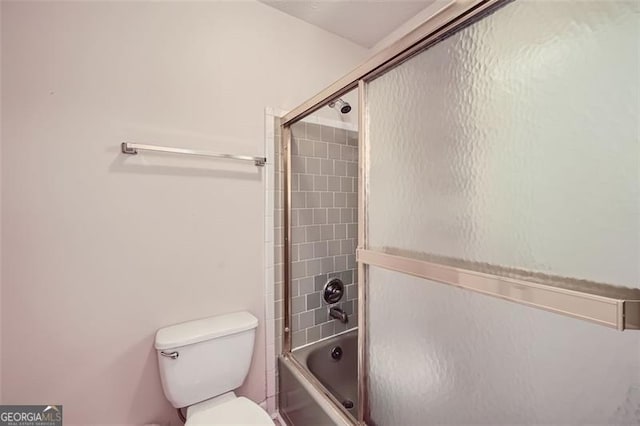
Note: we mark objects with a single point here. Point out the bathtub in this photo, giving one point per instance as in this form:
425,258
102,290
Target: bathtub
334,362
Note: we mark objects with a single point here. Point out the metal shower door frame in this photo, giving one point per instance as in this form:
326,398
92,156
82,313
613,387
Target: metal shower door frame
604,305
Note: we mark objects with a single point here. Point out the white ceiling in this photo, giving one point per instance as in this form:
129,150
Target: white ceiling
364,22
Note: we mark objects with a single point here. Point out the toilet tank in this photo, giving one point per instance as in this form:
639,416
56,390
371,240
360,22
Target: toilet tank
205,358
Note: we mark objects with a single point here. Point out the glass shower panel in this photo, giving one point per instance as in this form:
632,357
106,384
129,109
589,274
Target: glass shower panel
442,355
514,143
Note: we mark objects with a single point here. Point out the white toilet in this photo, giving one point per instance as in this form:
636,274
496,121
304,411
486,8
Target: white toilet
202,362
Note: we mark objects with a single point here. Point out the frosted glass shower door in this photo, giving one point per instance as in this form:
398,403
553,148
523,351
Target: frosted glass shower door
512,148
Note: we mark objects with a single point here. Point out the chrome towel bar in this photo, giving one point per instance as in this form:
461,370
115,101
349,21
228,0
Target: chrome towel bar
132,148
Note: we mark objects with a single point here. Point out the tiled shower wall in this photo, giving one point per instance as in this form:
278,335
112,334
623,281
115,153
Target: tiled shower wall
324,229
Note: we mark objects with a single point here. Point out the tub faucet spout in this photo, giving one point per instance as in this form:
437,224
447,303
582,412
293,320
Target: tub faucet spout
338,314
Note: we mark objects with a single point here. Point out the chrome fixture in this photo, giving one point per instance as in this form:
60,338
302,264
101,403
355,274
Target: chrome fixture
172,355
132,148
340,105
333,291
336,353
338,314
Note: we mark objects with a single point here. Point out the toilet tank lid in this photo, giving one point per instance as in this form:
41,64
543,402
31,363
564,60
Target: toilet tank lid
195,331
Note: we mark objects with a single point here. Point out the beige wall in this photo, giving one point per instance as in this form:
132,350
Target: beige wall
100,250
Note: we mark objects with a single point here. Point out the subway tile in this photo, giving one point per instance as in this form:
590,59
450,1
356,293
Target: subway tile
351,261
295,322
333,183
352,291
319,281
341,263
319,183
354,320
298,269
305,148
294,218
298,304
298,130
333,151
346,247
294,253
339,326
346,215
320,315
352,138
352,230
319,216
346,184
340,232
333,248
327,167
298,165
313,166
340,168
352,200
348,153
327,329
299,339
326,232
320,248
313,233
306,285
326,199
327,264
306,251
327,133
313,301
278,309
333,215
346,277
305,217
307,319
340,136
313,199
352,170
298,235
305,182
347,307
320,149
298,200
313,334
314,267
313,131
295,288
340,199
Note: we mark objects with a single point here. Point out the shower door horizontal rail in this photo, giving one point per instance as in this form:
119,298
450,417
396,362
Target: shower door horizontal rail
133,148
612,306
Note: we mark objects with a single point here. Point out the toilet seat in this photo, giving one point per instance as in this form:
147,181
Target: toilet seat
236,411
